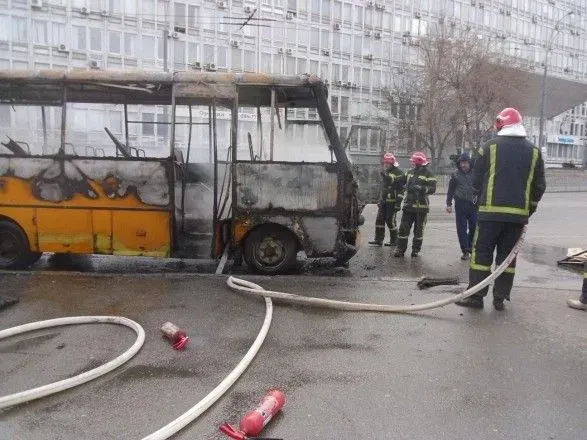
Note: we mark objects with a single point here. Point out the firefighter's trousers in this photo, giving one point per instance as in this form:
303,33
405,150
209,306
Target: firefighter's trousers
386,215
489,237
409,218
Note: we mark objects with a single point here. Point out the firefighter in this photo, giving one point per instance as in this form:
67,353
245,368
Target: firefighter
390,201
581,303
460,188
508,182
419,182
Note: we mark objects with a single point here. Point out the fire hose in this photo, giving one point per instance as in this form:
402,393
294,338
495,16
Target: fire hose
239,285
247,287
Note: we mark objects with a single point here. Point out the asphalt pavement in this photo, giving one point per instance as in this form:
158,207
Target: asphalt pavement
446,373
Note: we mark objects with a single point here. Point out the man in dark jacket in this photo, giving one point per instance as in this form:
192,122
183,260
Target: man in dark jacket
460,188
508,179
419,182
391,196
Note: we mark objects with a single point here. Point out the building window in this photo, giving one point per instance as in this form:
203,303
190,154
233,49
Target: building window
130,6
235,56
95,39
180,17
344,106
148,46
4,29
40,32
19,29
193,16
79,37
208,53
148,126
250,60
222,56
58,34
193,52
130,43
179,53
334,104
114,40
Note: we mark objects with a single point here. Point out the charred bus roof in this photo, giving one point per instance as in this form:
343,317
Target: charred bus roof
52,87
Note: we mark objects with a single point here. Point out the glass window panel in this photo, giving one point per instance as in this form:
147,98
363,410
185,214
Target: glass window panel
148,127
19,29
179,52
58,34
235,56
314,38
193,16
208,53
326,9
4,29
302,65
148,46
250,60
130,43
130,6
193,52
325,39
222,56
79,37
40,32
115,37
95,39
180,14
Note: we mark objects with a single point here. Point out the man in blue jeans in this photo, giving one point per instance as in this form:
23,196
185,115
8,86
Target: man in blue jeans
581,303
460,188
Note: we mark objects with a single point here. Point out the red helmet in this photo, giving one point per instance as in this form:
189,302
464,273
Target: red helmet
389,159
508,116
419,159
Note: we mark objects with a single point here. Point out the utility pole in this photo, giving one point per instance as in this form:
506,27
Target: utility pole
551,39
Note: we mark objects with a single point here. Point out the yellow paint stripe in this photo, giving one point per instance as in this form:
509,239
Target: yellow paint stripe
531,178
491,181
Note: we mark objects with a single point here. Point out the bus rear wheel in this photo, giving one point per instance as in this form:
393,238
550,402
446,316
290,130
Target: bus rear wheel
14,248
270,250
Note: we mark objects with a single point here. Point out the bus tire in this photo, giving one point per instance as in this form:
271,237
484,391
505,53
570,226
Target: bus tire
15,252
270,250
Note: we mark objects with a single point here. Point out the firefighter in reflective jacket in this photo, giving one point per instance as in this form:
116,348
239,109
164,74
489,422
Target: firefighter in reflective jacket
508,181
390,202
419,182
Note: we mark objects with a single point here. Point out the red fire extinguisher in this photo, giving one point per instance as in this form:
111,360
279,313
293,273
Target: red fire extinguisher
254,421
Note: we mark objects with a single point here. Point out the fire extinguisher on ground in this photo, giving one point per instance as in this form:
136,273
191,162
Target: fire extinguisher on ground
253,422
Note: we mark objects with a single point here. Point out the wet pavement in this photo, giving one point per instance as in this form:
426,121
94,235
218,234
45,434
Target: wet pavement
446,373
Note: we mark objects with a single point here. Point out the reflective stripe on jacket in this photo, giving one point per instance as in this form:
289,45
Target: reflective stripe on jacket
508,176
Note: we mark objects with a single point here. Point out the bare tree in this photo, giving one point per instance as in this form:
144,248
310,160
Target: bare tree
456,93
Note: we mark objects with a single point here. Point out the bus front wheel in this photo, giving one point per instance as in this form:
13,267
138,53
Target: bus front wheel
270,250
15,252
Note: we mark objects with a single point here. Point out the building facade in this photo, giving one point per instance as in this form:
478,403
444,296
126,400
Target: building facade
360,47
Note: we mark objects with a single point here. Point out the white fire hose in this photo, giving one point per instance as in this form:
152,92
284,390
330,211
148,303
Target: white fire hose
62,385
239,285
244,286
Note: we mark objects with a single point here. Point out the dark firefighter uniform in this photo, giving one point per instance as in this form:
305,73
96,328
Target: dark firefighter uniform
508,179
390,203
418,183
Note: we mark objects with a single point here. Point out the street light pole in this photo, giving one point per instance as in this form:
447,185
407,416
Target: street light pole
553,35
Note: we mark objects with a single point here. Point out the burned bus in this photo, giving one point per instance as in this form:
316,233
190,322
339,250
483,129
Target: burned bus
185,164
